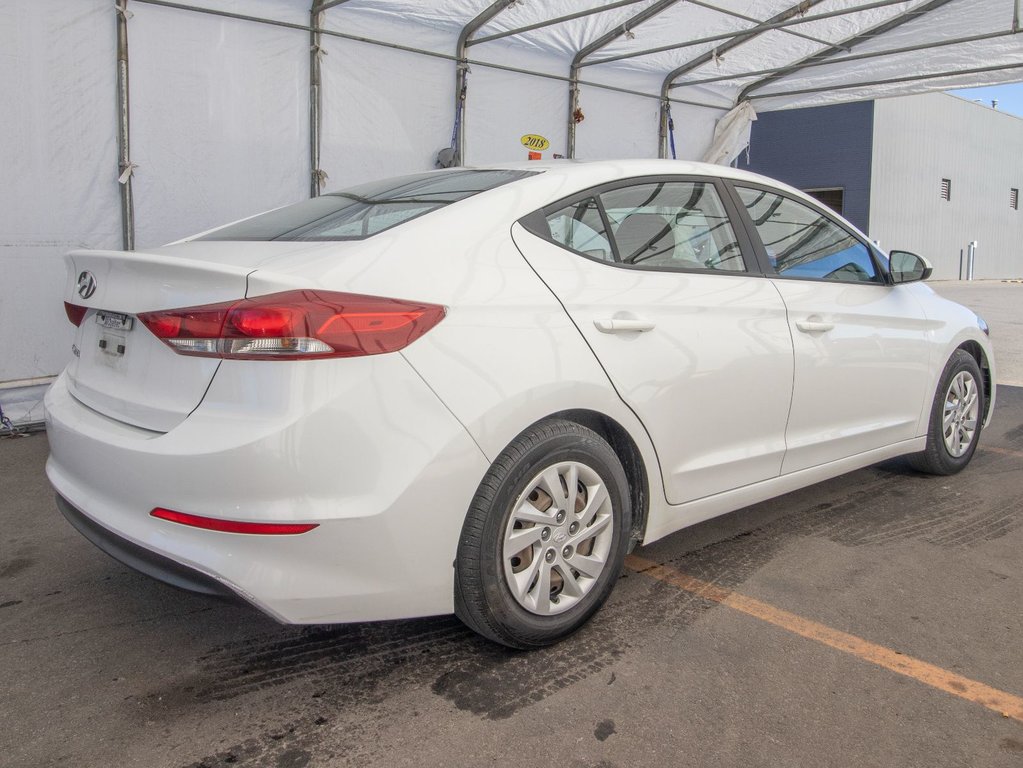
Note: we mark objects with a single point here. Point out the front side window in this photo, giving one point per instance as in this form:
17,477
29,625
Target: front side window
800,242
676,224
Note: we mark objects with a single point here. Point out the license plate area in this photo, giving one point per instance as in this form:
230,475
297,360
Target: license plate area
114,321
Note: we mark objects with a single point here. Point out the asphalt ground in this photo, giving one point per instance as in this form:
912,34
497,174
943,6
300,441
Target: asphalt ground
874,619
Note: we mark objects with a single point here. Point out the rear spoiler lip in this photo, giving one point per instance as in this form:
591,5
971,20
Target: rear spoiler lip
153,281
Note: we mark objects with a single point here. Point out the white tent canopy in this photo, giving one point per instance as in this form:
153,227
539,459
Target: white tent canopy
237,106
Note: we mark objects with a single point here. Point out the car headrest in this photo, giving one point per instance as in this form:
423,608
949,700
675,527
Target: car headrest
642,236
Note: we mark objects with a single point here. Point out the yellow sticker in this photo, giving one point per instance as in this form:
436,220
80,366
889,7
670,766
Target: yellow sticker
534,141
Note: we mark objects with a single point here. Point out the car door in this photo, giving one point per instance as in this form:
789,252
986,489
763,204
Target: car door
657,280
862,357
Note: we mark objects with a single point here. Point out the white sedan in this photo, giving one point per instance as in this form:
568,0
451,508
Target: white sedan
474,390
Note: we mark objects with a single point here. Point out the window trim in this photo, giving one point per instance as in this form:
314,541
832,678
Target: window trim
536,223
758,245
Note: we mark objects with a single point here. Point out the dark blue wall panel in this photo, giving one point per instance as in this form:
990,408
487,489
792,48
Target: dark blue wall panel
818,147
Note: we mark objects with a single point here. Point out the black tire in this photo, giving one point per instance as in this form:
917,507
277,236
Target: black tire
483,595
937,458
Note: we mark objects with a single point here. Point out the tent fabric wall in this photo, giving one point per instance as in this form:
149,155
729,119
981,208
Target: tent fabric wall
385,111
57,163
504,106
220,107
371,132
219,119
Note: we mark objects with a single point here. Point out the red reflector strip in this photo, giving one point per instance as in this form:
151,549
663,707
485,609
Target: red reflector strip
232,526
75,313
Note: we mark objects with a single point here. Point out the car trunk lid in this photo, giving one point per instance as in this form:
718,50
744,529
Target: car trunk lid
119,368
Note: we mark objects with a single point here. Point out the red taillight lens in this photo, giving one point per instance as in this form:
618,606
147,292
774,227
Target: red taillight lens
75,313
232,526
295,325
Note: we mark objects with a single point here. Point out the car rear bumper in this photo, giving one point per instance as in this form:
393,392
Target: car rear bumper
363,449
141,559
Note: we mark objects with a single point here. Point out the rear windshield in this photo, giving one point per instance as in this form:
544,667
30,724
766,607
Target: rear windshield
359,212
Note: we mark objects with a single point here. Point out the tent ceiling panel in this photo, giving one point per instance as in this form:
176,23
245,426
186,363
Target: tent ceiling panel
819,27
566,37
685,23
956,32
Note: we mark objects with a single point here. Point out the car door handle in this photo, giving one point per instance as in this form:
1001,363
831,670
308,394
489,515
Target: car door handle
814,324
623,325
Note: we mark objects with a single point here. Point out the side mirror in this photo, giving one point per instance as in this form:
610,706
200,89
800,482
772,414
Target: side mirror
907,267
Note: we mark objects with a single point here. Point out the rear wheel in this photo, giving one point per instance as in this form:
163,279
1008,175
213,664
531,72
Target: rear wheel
956,417
545,538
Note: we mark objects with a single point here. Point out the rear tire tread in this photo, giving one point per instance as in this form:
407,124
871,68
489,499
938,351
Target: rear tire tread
471,605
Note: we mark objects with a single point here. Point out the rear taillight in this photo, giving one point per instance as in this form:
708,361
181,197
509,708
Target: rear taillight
75,313
294,325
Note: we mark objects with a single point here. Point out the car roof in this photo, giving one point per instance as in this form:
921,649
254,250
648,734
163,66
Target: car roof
634,166
593,172
577,175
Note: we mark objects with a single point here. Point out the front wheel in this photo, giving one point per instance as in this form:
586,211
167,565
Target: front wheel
956,418
545,538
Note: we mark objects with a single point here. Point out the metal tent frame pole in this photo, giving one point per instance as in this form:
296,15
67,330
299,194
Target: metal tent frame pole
317,15
596,45
847,44
315,97
795,10
853,57
462,73
124,129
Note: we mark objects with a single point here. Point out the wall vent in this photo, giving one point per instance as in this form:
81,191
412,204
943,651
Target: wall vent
1014,199
946,189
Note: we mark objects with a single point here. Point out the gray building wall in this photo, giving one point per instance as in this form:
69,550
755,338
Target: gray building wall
920,140
818,148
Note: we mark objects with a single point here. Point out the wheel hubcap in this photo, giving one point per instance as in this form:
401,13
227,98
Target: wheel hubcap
960,415
558,538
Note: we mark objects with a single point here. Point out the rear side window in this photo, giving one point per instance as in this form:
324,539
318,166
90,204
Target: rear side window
800,242
659,225
678,224
580,227
365,210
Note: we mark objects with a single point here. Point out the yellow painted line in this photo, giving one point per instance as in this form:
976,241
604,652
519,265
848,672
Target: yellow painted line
1003,451
1001,702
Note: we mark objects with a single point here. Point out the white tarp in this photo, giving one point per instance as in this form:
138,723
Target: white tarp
220,110
731,135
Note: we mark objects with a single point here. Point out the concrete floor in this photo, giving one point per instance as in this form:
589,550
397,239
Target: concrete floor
104,667
1000,303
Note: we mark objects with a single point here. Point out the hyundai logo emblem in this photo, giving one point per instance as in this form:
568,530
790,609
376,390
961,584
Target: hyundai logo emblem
86,285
